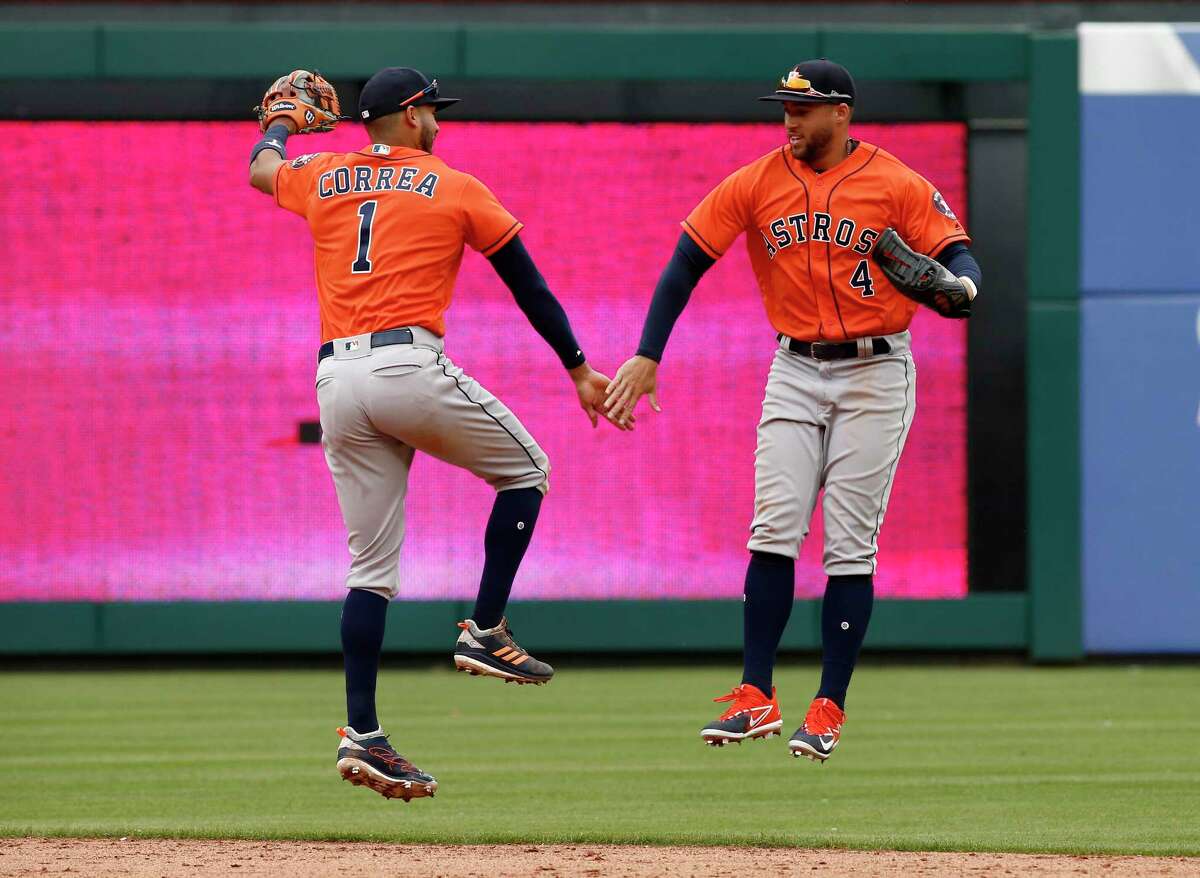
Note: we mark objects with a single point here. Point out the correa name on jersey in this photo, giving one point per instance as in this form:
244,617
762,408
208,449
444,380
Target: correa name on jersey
796,229
347,180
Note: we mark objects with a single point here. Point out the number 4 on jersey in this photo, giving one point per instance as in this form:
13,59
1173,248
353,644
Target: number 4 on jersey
366,214
861,279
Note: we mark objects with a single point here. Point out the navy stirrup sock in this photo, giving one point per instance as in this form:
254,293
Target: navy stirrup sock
845,613
364,615
504,543
770,585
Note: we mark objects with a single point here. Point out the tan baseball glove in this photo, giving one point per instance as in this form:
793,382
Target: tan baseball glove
307,98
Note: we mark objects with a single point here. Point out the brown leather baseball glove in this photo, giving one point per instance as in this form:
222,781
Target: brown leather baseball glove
307,98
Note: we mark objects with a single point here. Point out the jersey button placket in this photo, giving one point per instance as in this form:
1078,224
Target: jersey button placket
825,302
824,367
837,327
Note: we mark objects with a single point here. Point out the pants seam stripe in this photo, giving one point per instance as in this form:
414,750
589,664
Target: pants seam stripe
892,473
483,408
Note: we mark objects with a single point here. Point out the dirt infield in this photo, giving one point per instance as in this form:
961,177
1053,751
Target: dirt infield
168,858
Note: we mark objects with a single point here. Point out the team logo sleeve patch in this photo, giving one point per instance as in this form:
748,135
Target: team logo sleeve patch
942,207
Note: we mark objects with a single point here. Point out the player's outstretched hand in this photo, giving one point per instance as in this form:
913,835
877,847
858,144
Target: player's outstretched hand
590,385
636,378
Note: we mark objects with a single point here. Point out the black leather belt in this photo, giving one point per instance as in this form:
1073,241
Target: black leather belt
834,350
378,340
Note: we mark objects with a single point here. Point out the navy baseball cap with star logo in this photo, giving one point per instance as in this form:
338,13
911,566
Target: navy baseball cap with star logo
820,81
394,88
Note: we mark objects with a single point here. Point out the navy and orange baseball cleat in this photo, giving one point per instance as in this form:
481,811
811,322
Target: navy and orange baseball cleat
820,733
369,760
492,652
750,715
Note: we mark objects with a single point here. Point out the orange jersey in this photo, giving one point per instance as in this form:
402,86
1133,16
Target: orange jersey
388,225
810,237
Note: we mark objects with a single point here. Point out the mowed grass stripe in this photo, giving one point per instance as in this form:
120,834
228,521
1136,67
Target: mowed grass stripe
1094,759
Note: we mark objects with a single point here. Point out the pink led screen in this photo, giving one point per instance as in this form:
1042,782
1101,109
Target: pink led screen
159,333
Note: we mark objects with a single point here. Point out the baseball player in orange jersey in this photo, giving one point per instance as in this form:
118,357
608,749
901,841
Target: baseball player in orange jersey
826,218
389,223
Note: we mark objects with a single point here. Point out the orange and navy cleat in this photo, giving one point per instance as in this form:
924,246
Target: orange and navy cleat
492,652
822,728
751,715
369,760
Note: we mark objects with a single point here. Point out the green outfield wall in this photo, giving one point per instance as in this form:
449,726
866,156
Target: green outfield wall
1043,619
990,622
242,51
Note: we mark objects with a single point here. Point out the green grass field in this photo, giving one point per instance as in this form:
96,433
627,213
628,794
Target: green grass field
934,757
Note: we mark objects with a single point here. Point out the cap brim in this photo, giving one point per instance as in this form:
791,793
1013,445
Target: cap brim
793,98
439,103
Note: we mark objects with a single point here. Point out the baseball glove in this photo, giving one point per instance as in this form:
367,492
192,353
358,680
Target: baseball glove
921,278
308,99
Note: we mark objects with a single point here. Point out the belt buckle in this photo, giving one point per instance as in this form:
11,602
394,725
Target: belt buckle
353,347
813,346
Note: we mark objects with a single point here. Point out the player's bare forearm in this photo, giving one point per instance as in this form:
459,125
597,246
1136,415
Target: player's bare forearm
637,377
262,171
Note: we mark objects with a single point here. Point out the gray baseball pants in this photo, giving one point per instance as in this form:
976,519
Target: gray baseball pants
381,405
838,425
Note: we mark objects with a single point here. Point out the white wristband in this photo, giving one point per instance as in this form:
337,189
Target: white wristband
970,285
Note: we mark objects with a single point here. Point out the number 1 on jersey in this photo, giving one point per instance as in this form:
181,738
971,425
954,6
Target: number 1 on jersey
366,213
861,279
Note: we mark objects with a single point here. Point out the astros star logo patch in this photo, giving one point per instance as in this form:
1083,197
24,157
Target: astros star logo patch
942,206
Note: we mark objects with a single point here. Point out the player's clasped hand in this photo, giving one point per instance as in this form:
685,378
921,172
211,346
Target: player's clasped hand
591,386
637,377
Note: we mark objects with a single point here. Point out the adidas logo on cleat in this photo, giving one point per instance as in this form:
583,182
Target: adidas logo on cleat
492,652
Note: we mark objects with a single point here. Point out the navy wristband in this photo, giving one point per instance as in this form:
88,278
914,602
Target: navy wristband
275,138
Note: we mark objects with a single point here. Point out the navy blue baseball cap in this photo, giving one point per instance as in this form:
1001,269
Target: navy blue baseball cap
815,82
394,88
